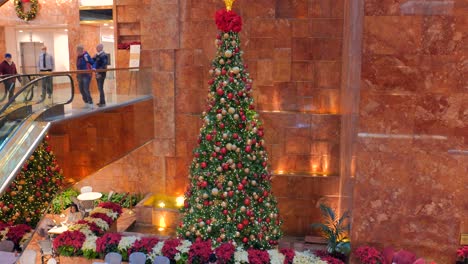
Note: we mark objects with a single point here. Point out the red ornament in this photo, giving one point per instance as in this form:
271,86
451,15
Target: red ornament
208,137
245,222
247,201
230,95
210,82
203,165
231,193
224,151
245,240
248,149
225,212
235,135
240,187
220,157
225,166
239,165
223,72
260,133
221,125
220,91
240,226
204,184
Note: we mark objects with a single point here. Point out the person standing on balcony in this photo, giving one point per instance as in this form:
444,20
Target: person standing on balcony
100,63
8,67
45,64
84,62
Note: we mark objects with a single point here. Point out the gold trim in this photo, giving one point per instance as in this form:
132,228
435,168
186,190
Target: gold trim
96,22
95,7
229,4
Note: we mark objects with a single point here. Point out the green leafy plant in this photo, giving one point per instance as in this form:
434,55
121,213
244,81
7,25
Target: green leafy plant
126,200
63,200
335,230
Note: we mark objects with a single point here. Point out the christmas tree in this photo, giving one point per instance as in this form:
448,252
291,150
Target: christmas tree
29,195
229,196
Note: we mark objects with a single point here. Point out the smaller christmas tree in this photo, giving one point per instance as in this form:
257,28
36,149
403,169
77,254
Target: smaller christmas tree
29,195
229,198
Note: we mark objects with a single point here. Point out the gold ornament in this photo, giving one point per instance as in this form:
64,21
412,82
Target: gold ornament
229,4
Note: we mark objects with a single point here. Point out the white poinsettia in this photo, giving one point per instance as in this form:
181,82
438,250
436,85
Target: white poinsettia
126,242
157,249
307,258
3,233
241,256
89,243
99,222
276,257
105,211
184,247
177,257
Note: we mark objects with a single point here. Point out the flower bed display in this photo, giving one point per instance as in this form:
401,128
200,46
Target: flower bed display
19,234
81,238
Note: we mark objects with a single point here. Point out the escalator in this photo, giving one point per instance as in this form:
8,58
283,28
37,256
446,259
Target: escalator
23,117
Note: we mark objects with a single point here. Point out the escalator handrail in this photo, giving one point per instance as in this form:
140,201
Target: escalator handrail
72,86
6,77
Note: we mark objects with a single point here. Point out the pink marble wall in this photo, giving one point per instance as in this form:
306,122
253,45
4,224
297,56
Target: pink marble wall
50,13
411,183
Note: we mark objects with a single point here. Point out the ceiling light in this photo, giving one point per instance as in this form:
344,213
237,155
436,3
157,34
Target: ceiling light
105,24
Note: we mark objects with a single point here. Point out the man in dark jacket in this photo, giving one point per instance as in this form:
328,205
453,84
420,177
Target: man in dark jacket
100,63
84,62
8,67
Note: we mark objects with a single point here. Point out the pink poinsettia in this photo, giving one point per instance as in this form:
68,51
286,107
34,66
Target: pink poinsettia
225,252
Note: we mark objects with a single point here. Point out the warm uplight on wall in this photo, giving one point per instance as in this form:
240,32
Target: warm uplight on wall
111,27
179,201
314,168
162,204
20,31
66,30
162,223
280,172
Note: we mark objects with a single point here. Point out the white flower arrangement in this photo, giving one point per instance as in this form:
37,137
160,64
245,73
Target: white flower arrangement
184,247
126,242
89,243
105,211
99,222
157,251
241,256
307,258
4,232
276,257
83,228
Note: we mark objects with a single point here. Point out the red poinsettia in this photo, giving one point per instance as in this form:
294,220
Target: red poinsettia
463,252
228,21
369,255
258,256
92,226
113,206
16,233
108,243
104,217
145,245
225,252
200,252
288,255
69,241
169,249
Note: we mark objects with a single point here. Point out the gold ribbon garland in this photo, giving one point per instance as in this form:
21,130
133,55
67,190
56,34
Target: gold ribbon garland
31,14
229,4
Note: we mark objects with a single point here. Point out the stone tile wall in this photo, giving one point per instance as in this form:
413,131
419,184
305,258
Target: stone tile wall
411,182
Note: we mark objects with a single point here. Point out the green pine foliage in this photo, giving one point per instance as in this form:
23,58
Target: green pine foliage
229,198
29,195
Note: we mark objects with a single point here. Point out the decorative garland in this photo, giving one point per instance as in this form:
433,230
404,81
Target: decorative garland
29,15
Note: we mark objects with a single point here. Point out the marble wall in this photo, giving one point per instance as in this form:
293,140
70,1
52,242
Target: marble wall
411,182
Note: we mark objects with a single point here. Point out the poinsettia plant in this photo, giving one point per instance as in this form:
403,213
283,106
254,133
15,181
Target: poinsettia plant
462,254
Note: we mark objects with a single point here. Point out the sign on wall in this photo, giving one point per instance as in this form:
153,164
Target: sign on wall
134,56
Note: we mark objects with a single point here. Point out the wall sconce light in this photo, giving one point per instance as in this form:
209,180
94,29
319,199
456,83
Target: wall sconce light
162,204
162,223
180,201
